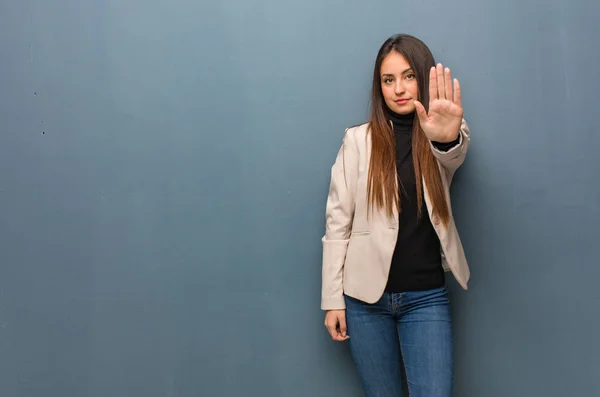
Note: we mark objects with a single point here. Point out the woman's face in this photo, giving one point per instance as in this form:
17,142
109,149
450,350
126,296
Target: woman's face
398,84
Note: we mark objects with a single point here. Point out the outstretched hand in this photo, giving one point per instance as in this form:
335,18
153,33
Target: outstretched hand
444,119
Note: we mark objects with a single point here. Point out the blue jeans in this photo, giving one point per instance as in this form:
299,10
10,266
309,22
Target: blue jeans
413,327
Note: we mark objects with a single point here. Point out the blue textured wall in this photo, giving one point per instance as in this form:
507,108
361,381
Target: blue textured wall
164,169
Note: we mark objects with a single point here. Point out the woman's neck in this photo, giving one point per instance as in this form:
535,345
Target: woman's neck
403,121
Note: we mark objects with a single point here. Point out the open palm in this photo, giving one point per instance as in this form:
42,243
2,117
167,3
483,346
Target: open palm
443,121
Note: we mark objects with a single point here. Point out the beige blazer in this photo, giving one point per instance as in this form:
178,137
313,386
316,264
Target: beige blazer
357,250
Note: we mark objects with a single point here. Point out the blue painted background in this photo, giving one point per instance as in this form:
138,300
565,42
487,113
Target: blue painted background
163,175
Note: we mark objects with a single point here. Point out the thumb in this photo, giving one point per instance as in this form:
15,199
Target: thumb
421,112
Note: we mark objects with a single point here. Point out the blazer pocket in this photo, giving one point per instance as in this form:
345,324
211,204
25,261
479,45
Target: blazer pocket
357,234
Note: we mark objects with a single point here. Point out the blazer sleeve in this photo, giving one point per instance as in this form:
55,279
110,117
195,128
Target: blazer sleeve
339,215
453,158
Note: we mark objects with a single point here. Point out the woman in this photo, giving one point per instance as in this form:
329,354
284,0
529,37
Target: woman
390,235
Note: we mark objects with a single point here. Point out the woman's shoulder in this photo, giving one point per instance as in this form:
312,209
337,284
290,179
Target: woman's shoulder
358,131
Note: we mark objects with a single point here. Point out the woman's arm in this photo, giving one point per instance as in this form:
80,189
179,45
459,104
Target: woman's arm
453,157
339,215
443,123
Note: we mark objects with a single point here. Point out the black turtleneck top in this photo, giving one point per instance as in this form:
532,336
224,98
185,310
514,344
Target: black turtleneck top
416,263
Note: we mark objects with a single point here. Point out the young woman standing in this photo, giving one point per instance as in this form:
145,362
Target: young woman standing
390,235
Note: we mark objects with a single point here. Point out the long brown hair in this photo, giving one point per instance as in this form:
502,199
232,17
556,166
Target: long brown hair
382,187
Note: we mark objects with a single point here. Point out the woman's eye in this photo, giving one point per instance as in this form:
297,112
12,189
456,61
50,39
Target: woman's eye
410,76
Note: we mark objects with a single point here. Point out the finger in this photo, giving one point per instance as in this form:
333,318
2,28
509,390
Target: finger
343,327
335,334
448,82
457,94
440,81
332,329
433,91
421,112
